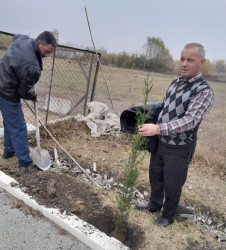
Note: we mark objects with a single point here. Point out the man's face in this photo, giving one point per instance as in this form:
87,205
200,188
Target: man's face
190,63
45,49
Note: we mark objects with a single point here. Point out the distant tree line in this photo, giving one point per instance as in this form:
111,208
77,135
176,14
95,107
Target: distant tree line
156,57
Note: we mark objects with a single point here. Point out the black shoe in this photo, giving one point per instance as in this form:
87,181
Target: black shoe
8,155
163,222
148,207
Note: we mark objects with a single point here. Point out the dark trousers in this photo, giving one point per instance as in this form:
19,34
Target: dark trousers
15,131
167,173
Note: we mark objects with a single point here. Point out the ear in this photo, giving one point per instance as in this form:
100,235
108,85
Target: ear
203,61
39,42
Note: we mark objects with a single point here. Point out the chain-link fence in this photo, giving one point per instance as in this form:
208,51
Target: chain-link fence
67,83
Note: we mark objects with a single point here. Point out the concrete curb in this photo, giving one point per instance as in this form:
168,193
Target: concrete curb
86,233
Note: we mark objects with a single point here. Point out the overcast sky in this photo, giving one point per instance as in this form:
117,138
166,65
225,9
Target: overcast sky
122,25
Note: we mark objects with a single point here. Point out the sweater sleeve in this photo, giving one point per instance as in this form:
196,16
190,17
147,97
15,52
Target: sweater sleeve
199,105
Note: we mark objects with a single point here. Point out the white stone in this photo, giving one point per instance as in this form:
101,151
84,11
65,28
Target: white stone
139,194
88,171
190,217
189,186
146,193
94,167
1,132
110,180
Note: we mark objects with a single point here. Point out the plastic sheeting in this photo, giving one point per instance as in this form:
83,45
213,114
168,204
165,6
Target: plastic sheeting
100,120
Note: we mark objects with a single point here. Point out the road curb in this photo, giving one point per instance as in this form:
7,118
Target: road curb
83,231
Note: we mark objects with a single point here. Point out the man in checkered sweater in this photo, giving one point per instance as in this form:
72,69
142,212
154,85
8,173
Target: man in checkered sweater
187,100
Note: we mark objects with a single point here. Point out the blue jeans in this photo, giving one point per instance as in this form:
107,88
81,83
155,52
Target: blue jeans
15,131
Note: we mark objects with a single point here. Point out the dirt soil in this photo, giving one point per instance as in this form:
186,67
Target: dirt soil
73,196
66,190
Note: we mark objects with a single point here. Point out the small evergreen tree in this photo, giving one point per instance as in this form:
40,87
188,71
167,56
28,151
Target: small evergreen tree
131,172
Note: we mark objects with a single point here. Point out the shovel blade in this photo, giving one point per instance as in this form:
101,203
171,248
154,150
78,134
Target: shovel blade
41,158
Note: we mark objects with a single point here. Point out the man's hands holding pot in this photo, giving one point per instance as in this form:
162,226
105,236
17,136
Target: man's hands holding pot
148,129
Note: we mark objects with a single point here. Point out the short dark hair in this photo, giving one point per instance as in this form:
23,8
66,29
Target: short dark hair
47,37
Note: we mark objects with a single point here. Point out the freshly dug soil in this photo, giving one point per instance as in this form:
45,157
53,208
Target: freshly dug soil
72,195
68,191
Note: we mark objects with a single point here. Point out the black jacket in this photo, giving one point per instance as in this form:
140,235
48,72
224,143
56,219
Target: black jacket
20,69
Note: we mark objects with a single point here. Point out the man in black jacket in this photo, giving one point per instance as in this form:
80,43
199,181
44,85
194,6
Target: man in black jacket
20,69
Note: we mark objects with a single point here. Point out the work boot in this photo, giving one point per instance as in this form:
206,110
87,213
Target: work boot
148,207
8,155
163,222
22,171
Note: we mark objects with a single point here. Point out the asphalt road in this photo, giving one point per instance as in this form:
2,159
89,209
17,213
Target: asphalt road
22,228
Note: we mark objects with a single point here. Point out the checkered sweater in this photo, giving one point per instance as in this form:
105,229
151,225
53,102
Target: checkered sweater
185,104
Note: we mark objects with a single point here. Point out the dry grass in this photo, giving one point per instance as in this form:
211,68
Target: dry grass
206,172
126,86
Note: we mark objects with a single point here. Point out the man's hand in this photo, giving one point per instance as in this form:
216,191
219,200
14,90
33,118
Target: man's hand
148,129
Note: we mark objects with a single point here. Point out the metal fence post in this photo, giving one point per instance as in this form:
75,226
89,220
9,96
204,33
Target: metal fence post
88,84
50,87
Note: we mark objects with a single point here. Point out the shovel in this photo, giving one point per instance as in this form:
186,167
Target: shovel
39,156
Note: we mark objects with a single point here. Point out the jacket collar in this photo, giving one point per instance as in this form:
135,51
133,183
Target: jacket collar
38,53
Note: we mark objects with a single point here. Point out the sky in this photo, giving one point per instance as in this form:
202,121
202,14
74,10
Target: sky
122,25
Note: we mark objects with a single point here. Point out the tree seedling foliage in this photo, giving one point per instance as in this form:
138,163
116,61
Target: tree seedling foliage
131,172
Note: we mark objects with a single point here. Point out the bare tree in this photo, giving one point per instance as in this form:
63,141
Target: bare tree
156,49
156,55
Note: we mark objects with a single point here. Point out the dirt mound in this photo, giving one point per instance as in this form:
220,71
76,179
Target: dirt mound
64,188
72,195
